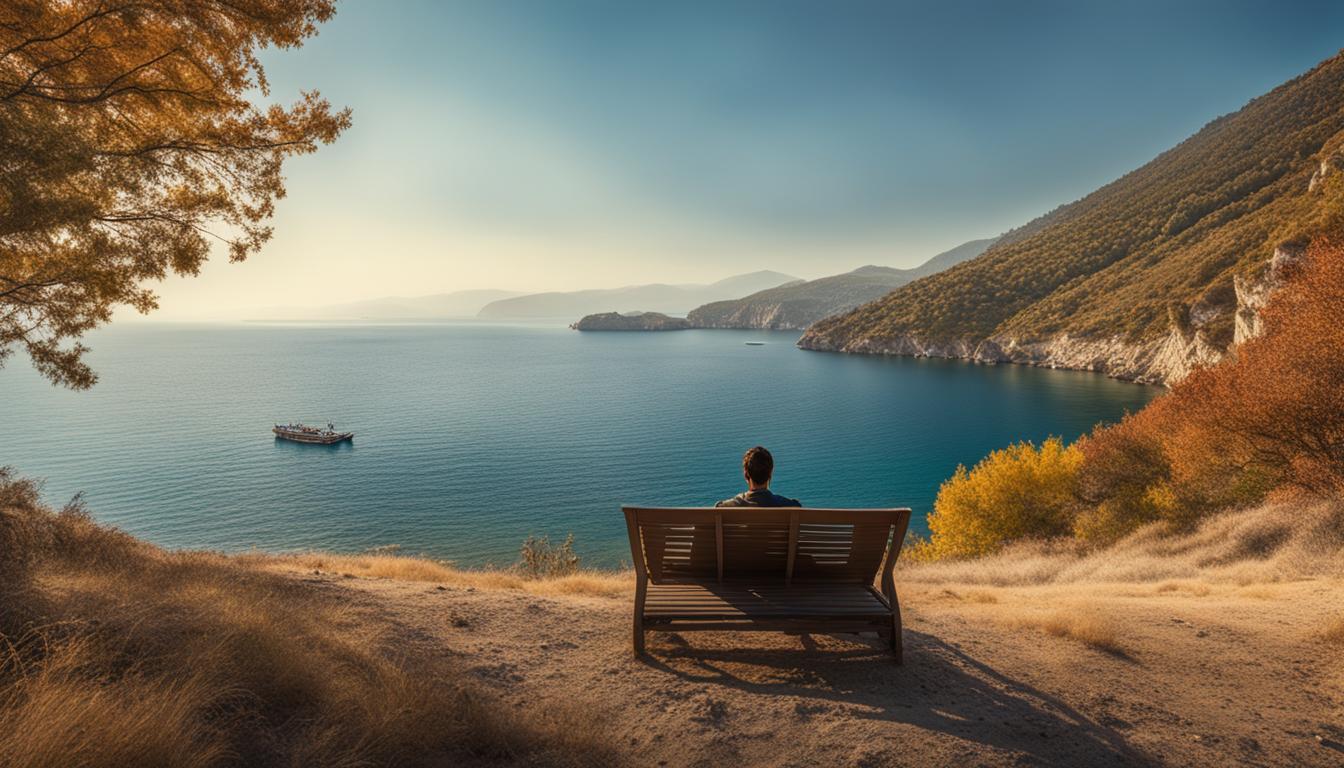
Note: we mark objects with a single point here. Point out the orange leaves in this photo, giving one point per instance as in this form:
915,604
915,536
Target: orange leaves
1280,405
1272,417
130,147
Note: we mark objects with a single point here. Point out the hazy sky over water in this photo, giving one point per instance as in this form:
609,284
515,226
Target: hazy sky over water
563,144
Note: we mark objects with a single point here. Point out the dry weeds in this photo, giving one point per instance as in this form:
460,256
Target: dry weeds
587,583
1334,631
1270,543
1086,626
972,595
1194,588
113,652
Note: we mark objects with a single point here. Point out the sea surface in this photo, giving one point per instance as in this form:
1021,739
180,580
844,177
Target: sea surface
470,437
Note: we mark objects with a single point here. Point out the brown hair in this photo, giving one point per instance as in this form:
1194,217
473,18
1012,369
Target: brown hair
759,465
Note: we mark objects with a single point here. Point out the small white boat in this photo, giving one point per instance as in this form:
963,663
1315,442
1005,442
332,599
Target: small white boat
301,433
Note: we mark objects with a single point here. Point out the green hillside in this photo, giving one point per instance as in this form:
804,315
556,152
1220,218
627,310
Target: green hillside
800,304
1145,250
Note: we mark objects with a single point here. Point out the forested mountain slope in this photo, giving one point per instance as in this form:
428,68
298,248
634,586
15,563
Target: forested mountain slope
799,305
1144,277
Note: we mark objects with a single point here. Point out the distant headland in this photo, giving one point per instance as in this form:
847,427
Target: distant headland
635,321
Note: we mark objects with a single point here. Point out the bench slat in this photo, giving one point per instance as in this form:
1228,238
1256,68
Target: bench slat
799,600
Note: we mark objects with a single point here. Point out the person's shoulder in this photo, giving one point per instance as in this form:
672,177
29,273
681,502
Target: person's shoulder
736,501
785,501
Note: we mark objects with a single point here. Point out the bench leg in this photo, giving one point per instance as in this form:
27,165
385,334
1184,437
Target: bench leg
641,590
638,636
897,646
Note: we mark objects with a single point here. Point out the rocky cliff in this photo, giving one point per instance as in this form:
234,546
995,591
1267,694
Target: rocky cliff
1191,341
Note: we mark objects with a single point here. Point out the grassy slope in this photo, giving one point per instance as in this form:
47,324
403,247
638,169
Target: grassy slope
803,303
1171,234
119,653
114,653
1044,655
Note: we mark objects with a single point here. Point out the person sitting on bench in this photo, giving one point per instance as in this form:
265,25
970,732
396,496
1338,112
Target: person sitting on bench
757,467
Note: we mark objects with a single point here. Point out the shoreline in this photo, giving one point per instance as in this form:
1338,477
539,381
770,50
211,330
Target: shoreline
991,362
1130,363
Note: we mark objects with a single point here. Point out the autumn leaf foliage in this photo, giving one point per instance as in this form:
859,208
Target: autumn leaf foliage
1022,491
1270,419
1275,416
131,140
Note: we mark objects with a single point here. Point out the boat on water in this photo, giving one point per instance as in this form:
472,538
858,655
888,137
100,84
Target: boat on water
754,343
302,433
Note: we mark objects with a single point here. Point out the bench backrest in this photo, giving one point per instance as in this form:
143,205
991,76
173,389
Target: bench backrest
763,543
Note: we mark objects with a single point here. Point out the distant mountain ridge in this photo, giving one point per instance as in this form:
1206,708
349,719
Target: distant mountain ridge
439,306
1149,275
798,305
658,297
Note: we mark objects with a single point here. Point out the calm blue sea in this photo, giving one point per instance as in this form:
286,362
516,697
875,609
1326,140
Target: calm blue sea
471,437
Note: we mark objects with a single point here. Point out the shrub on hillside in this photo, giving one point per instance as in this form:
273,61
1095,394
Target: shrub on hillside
1125,478
1271,417
1278,410
538,558
1022,491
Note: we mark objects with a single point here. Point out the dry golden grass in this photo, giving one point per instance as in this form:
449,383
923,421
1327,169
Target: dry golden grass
113,653
1270,543
1194,588
53,716
972,595
1334,631
1085,626
589,583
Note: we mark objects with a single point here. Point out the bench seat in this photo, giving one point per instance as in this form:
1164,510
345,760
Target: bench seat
746,600
761,568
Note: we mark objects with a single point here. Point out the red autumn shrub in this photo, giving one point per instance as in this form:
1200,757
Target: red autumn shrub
1278,408
1270,417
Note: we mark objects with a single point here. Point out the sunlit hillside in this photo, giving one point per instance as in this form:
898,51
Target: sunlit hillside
1158,249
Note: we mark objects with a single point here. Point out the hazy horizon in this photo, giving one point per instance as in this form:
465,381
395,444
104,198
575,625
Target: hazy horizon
538,147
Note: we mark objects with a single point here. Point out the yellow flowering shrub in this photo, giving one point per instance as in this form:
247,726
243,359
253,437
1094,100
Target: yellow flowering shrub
1022,491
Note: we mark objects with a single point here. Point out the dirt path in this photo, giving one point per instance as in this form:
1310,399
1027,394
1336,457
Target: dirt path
1201,675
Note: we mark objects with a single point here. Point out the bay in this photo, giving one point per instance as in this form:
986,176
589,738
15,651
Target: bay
470,437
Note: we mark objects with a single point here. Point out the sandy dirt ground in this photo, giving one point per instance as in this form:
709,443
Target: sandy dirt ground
1175,674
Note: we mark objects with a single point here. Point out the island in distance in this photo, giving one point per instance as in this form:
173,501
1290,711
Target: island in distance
791,306
633,321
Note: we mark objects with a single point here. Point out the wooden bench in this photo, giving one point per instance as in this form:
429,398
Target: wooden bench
765,568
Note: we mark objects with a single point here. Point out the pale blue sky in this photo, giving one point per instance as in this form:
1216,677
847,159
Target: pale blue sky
558,145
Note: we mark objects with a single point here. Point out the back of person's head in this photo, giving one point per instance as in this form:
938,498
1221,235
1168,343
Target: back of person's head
758,464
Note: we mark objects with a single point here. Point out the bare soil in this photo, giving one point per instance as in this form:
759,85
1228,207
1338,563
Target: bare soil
1179,673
